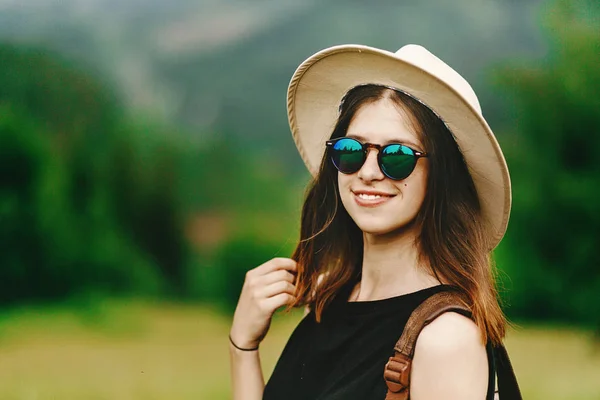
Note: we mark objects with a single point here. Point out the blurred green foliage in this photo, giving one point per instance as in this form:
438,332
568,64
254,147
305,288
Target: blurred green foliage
53,245
95,201
551,249
75,214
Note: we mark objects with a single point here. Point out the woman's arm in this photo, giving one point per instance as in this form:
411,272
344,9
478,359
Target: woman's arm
450,361
266,288
246,374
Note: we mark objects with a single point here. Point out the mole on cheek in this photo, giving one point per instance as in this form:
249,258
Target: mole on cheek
406,184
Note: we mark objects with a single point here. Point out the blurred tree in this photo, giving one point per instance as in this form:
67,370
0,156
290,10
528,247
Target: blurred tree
144,175
85,203
49,251
551,249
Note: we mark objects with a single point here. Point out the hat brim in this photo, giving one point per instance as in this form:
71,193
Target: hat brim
320,82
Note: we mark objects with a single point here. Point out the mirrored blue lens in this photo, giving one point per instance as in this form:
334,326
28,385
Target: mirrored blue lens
397,161
348,155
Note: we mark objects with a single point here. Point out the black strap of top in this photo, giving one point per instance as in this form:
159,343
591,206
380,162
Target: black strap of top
489,349
508,386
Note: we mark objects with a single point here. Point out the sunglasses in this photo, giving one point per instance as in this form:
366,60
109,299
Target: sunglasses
395,160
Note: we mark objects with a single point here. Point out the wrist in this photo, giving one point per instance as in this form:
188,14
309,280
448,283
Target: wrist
243,346
238,340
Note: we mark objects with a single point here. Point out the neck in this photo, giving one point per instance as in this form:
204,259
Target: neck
391,267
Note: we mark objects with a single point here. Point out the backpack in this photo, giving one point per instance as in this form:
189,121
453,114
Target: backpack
398,368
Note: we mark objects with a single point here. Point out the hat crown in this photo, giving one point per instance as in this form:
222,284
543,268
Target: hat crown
422,58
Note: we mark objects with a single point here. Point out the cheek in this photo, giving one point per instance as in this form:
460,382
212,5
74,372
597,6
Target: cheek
343,187
413,191
344,180
414,196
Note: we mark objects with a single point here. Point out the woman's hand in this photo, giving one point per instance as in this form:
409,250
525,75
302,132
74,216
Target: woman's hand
266,288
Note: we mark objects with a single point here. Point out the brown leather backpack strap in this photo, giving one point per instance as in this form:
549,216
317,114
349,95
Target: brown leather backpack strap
398,368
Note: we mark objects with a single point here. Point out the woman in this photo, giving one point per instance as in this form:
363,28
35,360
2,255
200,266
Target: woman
410,194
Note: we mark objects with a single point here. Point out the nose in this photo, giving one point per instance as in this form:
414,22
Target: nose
370,170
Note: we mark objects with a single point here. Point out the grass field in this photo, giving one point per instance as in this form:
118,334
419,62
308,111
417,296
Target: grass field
136,350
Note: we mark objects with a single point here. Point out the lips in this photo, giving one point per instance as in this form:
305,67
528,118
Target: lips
371,198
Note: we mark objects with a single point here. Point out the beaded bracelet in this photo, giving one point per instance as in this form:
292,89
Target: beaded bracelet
241,348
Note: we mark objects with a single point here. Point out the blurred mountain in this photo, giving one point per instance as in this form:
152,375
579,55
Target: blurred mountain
224,65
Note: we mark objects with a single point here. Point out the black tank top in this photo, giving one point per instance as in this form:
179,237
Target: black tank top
344,355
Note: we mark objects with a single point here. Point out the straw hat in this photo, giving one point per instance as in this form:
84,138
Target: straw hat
320,82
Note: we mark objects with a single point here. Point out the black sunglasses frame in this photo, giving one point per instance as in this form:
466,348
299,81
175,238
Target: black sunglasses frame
365,149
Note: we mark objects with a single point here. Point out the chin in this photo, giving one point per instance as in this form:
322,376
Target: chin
376,227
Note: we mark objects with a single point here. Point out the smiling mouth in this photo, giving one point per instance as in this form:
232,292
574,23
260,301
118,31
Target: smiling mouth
370,196
371,199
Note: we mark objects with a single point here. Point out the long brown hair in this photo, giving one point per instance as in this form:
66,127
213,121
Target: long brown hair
452,242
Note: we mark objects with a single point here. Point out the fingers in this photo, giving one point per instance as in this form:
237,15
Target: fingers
275,264
271,285
275,289
257,282
273,303
277,276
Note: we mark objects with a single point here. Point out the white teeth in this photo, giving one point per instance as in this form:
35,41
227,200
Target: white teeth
369,196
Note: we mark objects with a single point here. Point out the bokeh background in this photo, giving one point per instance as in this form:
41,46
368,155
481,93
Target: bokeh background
146,164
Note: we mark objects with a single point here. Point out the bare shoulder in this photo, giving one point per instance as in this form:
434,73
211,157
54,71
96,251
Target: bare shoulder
450,332
450,360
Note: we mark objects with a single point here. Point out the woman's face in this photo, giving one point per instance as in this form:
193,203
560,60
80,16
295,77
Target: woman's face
376,203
